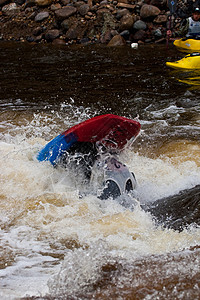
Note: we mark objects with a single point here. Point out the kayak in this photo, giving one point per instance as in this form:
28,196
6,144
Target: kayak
190,62
90,151
187,45
113,132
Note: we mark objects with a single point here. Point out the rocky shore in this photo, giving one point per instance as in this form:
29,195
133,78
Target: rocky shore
112,22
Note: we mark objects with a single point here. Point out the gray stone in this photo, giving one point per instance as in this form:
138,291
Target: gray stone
41,16
139,25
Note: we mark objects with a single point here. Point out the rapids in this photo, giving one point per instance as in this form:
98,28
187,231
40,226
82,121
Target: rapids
56,245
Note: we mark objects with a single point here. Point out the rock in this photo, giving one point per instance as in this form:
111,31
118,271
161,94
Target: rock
123,1
42,16
125,5
103,2
76,31
160,19
140,35
83,9
157,33
38,38
139,25
122,12
32,16
149,11
117,40
55,6
43,3
126,22
10,9
58,42
108,22
65,25
85,41
65,2
30,39
125,34
38,30
106,37
65,12
52,34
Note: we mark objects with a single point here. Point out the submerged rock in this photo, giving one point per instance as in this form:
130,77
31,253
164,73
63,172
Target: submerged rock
177,211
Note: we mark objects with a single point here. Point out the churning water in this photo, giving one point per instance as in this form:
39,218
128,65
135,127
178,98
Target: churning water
56,245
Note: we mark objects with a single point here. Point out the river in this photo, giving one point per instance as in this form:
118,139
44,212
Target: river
56,245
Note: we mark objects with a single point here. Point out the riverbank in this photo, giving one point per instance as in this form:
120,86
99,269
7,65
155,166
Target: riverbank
109,22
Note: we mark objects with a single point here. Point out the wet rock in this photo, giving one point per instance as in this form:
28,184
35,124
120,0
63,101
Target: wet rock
139,25
83,9
10,9
178,211
126,22
65,12
43,3
42,16
117,40
149,11
52,34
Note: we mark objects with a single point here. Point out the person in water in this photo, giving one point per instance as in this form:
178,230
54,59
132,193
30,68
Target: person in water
190,27
98,164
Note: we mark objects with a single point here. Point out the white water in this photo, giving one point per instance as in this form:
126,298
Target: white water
42,215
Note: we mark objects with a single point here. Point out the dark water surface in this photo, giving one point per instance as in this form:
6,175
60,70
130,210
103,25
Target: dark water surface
55,245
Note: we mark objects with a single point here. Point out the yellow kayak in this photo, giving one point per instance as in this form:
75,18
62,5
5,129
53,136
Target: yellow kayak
190,62
189,45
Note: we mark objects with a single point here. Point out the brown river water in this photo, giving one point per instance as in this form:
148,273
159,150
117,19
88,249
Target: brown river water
56,245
